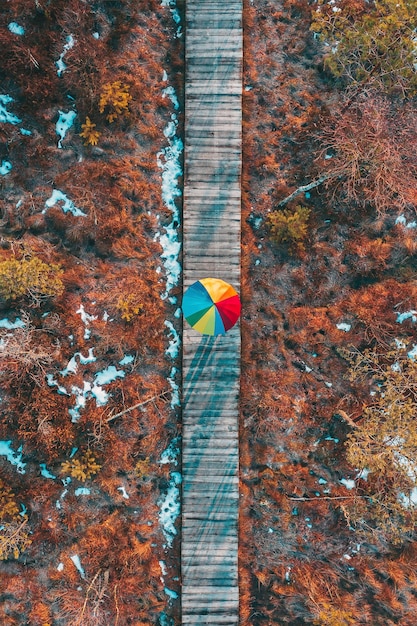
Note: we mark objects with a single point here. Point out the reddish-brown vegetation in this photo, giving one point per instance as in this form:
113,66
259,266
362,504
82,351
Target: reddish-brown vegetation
301,560
107,267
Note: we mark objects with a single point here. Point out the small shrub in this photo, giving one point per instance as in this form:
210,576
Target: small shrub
332,616
13,535
370,44
83,468
289,226
31,278
89,133
115,98
129,307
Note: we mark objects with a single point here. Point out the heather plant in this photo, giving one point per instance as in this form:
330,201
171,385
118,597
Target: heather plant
83,468
89,133
30,278
290,226
128,307
114,99
370,44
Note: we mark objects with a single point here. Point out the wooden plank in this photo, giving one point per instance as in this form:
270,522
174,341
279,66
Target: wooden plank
211,367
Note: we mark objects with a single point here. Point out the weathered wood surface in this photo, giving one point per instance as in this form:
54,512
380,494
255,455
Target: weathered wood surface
211,366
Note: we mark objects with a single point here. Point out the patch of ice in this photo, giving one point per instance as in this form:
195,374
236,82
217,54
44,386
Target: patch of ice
5,167
72,365
45,472
60,567
15,458
347,557
108,375
170,92
96,35
349,484
363,473
344,326
68,206
412,354
403,222
169,508
70,41
24,131
86,318
124,493
174,344
16,29
100,395
23,511
76,560
105,316
401,317
64,123
5,116
5,323
172,594
396,367
169,161
172,4
171,454
163,567
82,491
164,76
175,397
128,358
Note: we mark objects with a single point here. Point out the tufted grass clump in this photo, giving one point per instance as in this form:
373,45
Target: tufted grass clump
114,99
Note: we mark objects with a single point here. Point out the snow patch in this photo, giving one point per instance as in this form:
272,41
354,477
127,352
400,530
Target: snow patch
127,359
349,484
70,41
174,344
15,458
5,167
169,508
67,207
16,29
45,472
124,493
108,375
76,560
5,116
401,317
64,123
5,323
344,326
82,491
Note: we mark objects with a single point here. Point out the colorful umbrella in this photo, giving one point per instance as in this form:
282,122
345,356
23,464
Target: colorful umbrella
211,306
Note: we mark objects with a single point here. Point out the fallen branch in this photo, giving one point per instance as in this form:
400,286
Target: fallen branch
136,406
304,188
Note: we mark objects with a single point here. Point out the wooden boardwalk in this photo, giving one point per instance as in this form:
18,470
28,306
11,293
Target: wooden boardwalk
211,366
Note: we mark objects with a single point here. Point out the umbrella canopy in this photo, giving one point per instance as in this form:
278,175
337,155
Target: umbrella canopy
211,306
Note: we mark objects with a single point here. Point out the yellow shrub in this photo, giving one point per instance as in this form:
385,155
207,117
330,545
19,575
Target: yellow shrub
115,97
332,616
83,468
128,307
13,535
289,226
89,133
29,278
